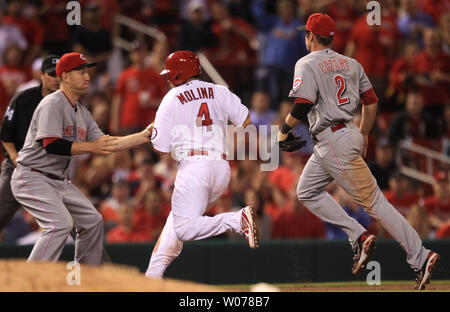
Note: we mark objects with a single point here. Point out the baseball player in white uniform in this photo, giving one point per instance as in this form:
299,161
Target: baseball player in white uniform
60,128
327,88
191,124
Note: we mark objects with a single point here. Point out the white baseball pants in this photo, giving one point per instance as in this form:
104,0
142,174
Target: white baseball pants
199,182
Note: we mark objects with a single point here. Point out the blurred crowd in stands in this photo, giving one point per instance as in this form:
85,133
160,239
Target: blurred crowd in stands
254,45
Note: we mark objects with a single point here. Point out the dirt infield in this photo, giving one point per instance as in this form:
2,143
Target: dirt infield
18,275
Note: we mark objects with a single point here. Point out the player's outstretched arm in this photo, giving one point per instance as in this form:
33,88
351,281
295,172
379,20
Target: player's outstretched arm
102,146
133,140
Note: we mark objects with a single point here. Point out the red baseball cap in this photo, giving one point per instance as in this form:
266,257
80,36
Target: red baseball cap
320,24
71,61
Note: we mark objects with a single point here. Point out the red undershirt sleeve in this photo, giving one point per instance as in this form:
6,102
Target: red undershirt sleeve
369,97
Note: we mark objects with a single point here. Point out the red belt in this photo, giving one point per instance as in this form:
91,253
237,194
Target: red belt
337,127
202,152
48,175
334,128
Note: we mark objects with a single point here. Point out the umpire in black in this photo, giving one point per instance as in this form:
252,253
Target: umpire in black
14,130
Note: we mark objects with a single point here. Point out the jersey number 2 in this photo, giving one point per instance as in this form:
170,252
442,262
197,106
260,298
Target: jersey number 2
203,117
340,83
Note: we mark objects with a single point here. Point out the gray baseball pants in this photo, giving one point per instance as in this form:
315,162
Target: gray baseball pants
337,156
58,206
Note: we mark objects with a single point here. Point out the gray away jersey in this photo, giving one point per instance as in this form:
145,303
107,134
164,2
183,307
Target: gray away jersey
333,83
55,117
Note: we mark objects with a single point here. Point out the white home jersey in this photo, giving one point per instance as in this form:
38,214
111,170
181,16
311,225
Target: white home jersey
194,116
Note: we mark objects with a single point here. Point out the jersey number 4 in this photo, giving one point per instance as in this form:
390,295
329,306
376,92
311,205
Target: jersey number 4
203,117
342,86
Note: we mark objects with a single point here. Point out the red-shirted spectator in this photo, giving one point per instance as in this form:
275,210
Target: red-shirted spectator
400,193
109,208
401,74
432,70
444,231
139,91
12,73
438,204
236,37
295,221
152,215
235,50
373,46
436,8
56,30
126,231
32,29
345,15
285,176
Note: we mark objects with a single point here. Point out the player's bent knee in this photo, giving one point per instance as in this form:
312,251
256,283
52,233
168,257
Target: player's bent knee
97,221
95,224
305,195
65,227
183,228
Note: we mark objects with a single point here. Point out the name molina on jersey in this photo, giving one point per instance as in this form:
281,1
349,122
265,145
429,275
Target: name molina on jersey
198,94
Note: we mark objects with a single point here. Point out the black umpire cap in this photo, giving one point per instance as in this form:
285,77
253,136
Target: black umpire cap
49,64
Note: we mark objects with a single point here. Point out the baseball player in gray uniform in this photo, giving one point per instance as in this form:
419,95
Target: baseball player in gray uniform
327,89
61,128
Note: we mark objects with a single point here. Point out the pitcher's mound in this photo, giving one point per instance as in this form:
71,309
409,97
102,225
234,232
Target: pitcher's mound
18,275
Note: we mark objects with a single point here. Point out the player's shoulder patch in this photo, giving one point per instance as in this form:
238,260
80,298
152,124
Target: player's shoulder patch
297,83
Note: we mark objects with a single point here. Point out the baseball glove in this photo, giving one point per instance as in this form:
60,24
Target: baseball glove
292,143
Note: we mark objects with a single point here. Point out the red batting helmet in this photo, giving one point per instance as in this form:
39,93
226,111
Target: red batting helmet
180,66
